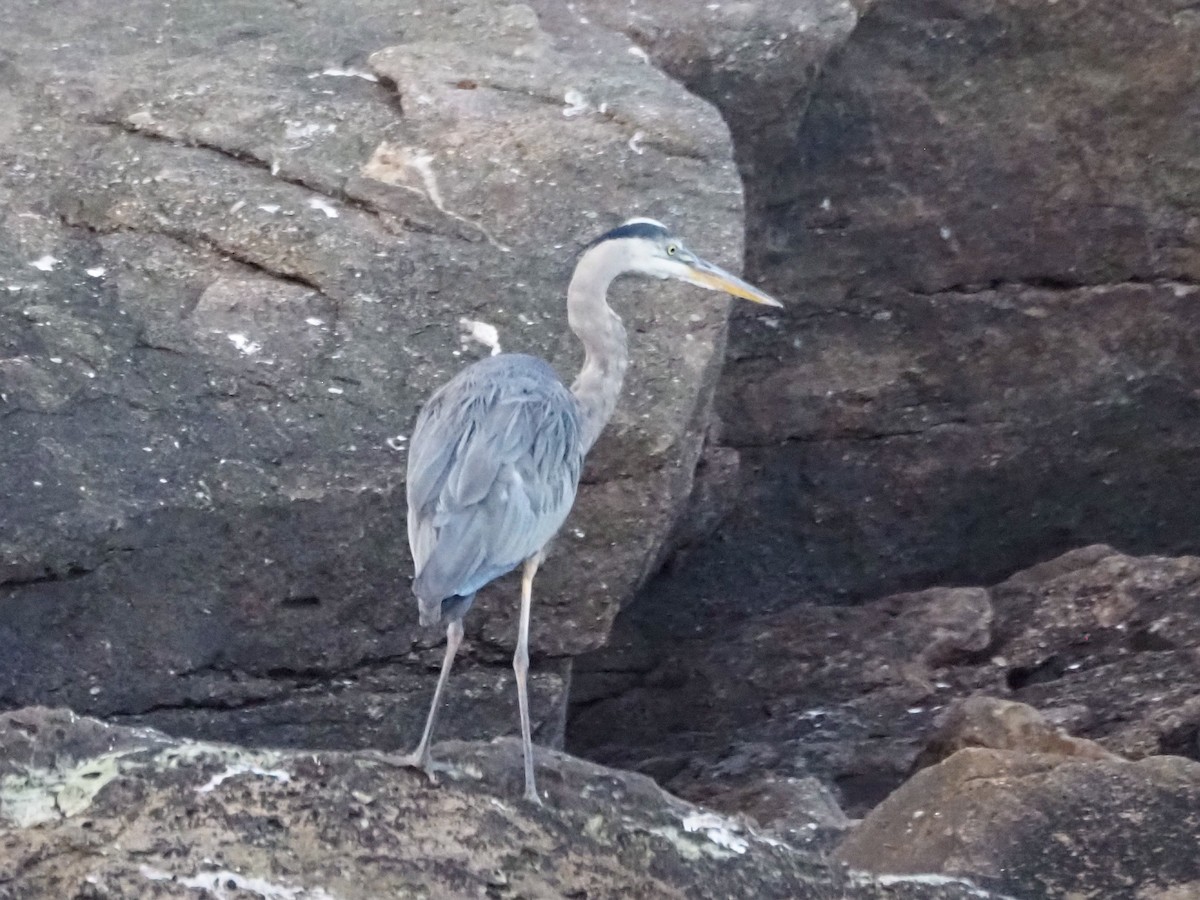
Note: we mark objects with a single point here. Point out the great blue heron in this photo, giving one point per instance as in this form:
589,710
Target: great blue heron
494,459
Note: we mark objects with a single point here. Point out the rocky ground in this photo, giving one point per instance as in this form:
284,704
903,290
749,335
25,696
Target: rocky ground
104,813
1043,825
235,243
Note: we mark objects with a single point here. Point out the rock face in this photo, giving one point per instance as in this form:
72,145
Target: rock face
237,250
1101,645
1038,825
89,810
983,220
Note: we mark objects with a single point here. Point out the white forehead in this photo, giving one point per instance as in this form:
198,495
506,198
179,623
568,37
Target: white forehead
639,220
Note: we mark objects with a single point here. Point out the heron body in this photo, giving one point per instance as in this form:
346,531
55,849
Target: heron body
492,471
495,457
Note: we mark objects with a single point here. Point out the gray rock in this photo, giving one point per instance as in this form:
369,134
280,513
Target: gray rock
1112,640
235,249
758,62
843,694
1041,825
713,497
90,810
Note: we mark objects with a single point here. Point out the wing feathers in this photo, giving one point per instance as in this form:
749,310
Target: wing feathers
494,463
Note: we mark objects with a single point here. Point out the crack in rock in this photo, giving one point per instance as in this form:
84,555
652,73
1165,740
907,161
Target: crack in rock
244,157
1180,285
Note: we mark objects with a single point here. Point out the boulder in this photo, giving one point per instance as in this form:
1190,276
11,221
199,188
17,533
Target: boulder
1092,654
88,810
1042,825
996,724
237,251
1110,641
842,694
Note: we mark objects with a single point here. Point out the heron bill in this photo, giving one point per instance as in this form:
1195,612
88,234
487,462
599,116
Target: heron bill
706,275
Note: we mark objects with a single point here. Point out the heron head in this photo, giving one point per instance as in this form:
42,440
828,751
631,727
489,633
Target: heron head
650,248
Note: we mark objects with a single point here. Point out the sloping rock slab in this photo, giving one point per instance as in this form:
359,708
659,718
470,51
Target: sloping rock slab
237,248
90,810
1046,826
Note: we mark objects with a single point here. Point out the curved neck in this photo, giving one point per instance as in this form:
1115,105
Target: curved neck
606,355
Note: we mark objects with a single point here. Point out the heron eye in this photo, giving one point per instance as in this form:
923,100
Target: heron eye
671,248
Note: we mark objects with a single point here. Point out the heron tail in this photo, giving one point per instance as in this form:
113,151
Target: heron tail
430,611
436,611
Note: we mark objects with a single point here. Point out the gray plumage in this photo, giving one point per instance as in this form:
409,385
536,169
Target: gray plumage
492,471
496,453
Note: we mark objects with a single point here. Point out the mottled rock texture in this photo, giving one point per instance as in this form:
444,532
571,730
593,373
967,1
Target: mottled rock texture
89,810
238,243
234,256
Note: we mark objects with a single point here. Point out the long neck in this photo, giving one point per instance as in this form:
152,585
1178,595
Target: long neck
606,354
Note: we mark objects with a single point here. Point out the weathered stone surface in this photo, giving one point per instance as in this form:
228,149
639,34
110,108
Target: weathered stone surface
988,120
89,810
1114,642
839,693
959,437
235,249
1040,825
1104,646
714,495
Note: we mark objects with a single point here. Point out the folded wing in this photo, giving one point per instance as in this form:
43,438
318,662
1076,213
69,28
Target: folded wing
493,468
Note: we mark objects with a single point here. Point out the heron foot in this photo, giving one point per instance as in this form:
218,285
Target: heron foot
411,761
531,795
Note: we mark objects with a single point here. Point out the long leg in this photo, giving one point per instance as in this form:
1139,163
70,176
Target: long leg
521,667
420,758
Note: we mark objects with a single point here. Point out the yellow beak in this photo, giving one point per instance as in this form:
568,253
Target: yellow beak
706,275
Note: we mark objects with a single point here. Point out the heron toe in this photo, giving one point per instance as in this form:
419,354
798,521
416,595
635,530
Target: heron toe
410,761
